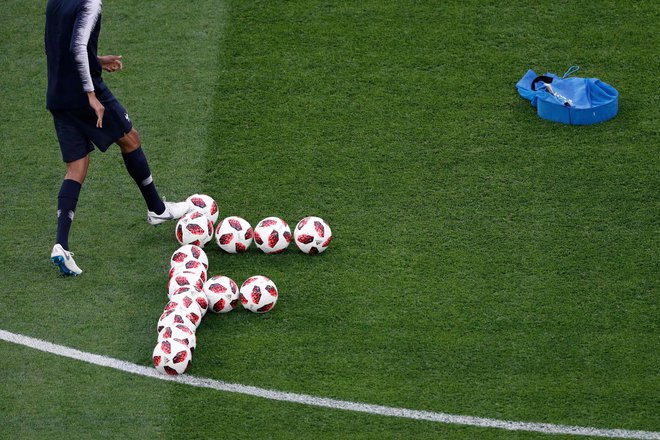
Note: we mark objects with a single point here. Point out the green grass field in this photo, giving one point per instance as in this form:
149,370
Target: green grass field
485,262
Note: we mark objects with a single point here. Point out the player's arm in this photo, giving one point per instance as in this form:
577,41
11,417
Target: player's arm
86,19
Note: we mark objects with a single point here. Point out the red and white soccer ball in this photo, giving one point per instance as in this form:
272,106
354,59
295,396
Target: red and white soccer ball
189,252
272,235
172,357
258,294
204,204
173,317
196,293
194,228
190,266
184,278
179,333
222,294
234,235
186,299
312,235
185,305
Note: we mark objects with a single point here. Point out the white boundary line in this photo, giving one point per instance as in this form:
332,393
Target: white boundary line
481,422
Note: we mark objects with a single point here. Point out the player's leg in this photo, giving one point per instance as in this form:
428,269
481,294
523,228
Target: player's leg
118,128
138,168
67,200
75,150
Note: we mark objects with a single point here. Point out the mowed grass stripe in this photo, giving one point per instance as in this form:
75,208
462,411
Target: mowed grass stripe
169,66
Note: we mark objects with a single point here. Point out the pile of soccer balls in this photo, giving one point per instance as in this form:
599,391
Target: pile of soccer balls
192,293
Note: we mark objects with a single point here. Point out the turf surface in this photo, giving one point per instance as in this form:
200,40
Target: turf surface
485,262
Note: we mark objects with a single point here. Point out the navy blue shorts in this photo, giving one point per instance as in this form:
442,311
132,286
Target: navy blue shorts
77,132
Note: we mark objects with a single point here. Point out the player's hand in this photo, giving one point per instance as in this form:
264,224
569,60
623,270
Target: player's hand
98,108
111,63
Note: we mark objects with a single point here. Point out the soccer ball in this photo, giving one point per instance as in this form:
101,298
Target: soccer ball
186,306
190,266
258,294
194,228
179,333
184,278
233,235
189,252
172,357
272,235
222,294
197,294
185,299
173,317
204,204
312,235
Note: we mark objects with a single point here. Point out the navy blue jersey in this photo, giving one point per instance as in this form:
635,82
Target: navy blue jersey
71,40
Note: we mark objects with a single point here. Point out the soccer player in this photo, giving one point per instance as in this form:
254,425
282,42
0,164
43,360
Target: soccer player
86,114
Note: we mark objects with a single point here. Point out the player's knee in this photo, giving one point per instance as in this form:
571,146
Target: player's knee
135,137
77,170
130,141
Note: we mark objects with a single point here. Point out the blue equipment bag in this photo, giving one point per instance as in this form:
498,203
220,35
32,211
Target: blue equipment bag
576,101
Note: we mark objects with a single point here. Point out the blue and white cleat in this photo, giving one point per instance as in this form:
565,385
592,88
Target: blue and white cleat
64,260
173,211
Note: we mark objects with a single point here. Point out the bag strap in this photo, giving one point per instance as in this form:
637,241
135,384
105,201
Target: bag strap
571,70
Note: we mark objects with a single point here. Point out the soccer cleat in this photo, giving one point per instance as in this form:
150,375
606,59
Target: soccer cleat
64,260
172,211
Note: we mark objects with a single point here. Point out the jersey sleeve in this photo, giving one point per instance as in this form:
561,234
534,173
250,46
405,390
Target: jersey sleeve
86,19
